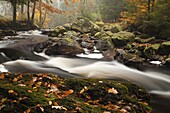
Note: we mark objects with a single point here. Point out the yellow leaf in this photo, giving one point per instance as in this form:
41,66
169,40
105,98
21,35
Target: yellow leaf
113,90
10,91
50,102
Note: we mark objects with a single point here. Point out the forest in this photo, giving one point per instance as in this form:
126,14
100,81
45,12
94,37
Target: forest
84,56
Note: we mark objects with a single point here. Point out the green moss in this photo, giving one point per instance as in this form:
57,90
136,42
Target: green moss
21,93
166,43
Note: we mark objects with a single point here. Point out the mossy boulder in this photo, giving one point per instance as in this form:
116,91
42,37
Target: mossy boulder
84,25
167,62
147,40
164,48
122,38
58,30
103,45
151,51
38,93
112,28
64,46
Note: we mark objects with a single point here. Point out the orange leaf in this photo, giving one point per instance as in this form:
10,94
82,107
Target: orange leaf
2,76
67,93
11,91
27,111
15,79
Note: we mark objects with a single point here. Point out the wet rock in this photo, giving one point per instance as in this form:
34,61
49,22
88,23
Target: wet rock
67,26
112,28
84,25
151,51
147,40
58,30
66,46
87,45
7,33
128,59
103,45
109,54
167,62
164,48
122,38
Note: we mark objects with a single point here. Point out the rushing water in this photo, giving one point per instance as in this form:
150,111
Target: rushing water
156,83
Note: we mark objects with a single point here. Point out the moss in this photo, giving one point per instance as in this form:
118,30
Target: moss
37,93
167,43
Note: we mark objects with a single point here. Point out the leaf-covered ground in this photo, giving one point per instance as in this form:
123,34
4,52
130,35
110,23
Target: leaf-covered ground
45,93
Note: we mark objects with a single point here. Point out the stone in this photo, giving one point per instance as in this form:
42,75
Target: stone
84,25
103,45
167,62
151,51
65,46
164,48
122,38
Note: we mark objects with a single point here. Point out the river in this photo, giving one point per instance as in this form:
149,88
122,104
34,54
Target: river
82,66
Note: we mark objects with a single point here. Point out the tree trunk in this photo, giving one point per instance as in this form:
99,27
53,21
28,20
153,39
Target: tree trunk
14,4
40,11
33,11
149,7
28,10
153,5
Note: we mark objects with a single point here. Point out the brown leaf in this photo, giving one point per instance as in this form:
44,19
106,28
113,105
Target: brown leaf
2,76
27,111
15,79
55,104
67,93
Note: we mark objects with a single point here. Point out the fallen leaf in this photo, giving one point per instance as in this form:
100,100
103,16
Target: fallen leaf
10,91
2,76
27,111
41,108
15,79
113,90
55,104
50,102
67,93
29,91
59,107
22,85
83,90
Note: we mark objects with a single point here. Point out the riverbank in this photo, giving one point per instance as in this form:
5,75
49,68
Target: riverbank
8,28
48,93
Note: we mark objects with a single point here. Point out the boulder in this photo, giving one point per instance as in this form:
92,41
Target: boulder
164,48
112,28
122,38
128,59
167,62
147,40
57,31
65,46
151,51
103,45
84,25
